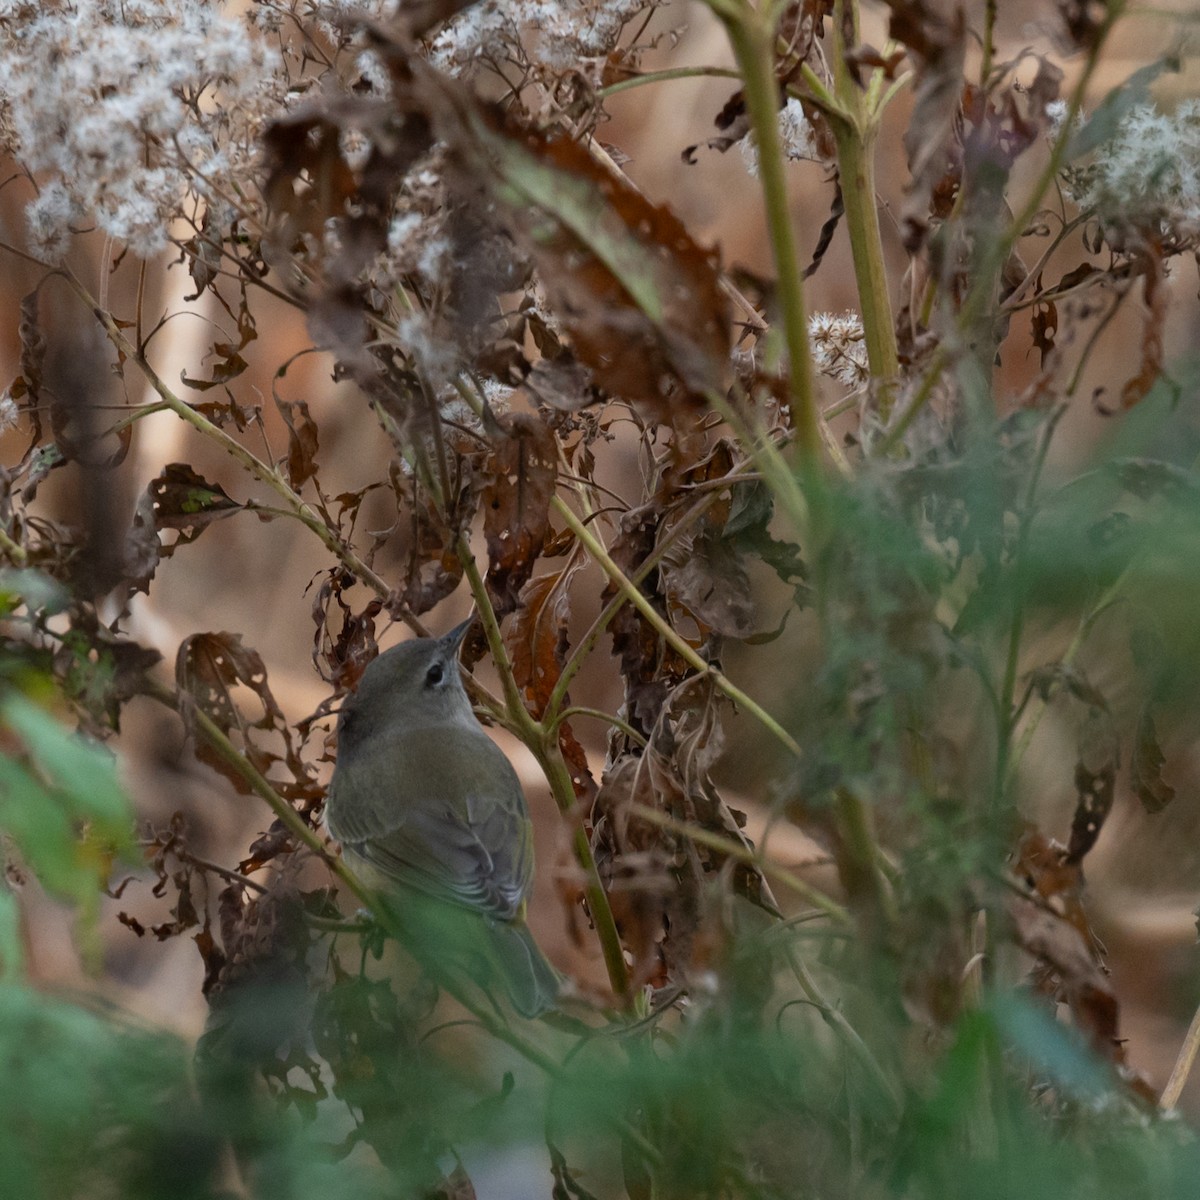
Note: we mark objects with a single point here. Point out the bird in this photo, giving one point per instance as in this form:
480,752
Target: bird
430,813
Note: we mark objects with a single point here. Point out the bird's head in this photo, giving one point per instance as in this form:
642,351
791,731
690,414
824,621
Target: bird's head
414,685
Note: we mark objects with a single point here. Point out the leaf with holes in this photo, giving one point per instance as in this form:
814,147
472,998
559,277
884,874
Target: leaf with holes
209,669
182,500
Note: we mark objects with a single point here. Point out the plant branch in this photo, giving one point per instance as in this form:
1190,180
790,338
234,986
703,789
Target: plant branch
735,850
661,76
255,466
663,628
296,825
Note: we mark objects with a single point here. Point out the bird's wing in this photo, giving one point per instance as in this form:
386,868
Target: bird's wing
466,839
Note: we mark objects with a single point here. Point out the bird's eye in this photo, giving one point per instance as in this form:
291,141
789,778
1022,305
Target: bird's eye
434,675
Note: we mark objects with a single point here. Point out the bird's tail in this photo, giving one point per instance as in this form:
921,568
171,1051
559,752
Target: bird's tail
532,984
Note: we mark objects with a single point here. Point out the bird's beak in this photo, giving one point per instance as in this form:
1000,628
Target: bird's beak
455,637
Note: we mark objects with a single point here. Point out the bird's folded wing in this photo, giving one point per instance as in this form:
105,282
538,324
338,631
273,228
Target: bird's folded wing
466,839
445,858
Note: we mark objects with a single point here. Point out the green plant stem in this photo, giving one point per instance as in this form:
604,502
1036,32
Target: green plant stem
287,816
13,549
1105,602
588,642
606,718
1183,1065
989,42
857,170
857,831
661,76
855,125
663,628
836,1020
144,410
752,38
516,715
735,850
766,456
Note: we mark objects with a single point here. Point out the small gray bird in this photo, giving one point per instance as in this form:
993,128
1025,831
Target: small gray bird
427,807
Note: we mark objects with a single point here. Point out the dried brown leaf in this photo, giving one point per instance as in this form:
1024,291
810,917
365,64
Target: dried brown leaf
536,638
302,441
934,31
639,298
183,500
342,658
209,669
657,878
516,505
1052,926
1044,326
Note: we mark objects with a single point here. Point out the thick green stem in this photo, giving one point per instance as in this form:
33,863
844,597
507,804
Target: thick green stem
753,41
855,126
862,862
636,81
856,167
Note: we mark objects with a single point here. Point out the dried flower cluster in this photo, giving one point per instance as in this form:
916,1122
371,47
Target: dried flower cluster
838,348
126,108
1147,173
561,35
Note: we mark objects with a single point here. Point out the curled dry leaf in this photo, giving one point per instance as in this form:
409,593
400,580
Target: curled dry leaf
341,659
934,32
302,441
640,300
434,569
1095,780
229,362
33,356
649,668
536,639
1051,924
1155,294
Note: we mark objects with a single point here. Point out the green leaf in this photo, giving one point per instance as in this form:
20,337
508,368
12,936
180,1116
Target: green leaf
84,772
30,813
37,591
